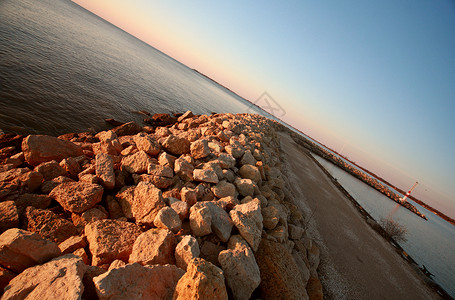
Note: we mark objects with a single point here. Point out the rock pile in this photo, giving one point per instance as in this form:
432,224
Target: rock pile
196,209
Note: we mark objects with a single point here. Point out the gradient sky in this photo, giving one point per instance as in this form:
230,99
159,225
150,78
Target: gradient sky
374,80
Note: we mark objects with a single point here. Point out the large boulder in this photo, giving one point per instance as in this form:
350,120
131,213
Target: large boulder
220,222
9,217
20,249
199,149
77,197
61,278
134,281
137,162
50,170
250,172
248,220
240,268
155,246
167,218
280,276
245,186
186,250
184,169
110,240
48,224
147,144
148,201
42,148
105,170
202,280
176,145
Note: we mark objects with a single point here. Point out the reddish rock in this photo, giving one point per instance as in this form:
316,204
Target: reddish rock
42,148
205,176
31,181
250,172
147,202
240,269
72,244
226,161
188,195
82,254
77,197
184,169
5,277
137,162
48,224
181,208
130,128
50,170
60,278
48,186
105,136
185,251
176,145
134,281
155,246
203,281
110,240
244,186
114,208
159,170
9,217
201,221
200,149
167,218
165,159
87,280
71,166
147,144
280,276
158,181
126,199
105,170
106,148
20,249
224,189
188,114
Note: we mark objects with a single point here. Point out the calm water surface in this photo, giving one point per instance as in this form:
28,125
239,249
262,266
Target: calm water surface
430,243
63,69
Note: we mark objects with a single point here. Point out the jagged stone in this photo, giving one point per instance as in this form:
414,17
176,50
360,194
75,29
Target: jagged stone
20,249
244,186
201,221
165,159
105,136
250,172
110,240
271,217
147,144
9,216
226,161
224,189
105,170
181,208
155,246
134,281
184,169
248,220
61,278
137,162
186,115
205,175
186,250
48,224
77,197
248,158
167,218
50,170
200,149
71,166
42,148
147,202
130,128
280,277
220,222
72,244
176,145
203,281
240,269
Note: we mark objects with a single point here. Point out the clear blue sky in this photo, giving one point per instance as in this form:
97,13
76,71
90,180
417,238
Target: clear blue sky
375,80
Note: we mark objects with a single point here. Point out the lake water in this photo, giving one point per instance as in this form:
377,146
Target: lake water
63,69
430,243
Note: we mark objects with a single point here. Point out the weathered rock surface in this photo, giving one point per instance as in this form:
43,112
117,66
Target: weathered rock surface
203,281
250,172
42,148
199,149
244,186
167,218
280,277
148,201
50,170
147,144
224,189
220,222
72,244
248,220
271,217
200,221
77,197
130,128
105,170
176,145
20,249
240,269
134,281
9,217
185,251
110,240
137,162
48,224
205,175
61,278
155,246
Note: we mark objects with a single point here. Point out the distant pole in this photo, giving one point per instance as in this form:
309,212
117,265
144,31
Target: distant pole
408,193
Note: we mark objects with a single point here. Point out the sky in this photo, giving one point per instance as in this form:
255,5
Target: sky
374,80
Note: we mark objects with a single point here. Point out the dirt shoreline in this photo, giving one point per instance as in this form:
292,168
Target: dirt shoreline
355,261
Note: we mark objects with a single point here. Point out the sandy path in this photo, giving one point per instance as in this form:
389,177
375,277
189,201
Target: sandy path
356,262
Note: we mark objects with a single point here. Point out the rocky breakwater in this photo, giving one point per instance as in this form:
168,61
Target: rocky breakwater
194,210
